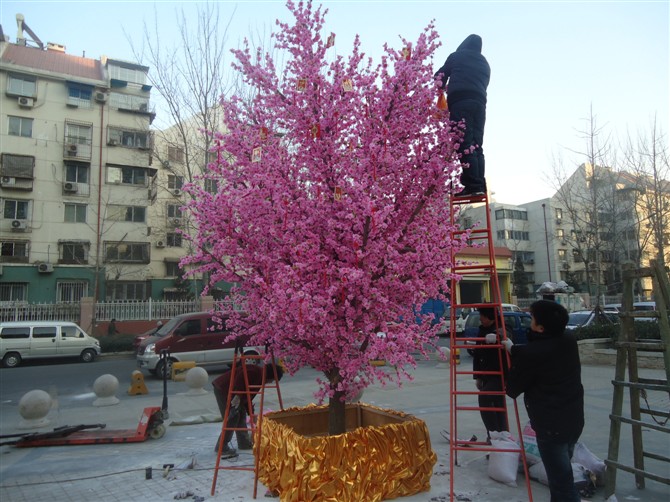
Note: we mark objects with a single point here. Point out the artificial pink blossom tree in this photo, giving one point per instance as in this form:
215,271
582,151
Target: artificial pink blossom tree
332,212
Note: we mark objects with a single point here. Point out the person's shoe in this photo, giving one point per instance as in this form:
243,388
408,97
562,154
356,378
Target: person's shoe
228,452
471,192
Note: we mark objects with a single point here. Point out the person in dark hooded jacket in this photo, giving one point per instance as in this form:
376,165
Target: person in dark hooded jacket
466,74
548,372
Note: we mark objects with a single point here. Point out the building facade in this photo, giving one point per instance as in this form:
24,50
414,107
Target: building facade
76,180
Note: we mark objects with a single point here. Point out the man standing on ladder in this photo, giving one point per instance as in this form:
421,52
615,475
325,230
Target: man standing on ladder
237,416
468,74
489,360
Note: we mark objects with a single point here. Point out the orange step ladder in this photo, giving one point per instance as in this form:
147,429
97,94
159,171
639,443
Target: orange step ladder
255,419
486,269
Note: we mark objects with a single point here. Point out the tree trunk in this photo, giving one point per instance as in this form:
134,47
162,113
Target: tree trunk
336,416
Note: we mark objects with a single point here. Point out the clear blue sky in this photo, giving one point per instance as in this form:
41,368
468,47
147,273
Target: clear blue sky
550,61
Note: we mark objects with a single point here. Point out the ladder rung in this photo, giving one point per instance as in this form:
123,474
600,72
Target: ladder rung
641,423
656,456
644,346
642,386
655,413
633,470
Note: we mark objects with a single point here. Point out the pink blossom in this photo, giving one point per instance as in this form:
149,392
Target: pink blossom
333,218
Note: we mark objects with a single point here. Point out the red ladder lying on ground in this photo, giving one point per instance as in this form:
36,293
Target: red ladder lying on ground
255,422
487,273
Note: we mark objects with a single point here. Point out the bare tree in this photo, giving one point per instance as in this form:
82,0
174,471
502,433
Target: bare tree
646,160
588,199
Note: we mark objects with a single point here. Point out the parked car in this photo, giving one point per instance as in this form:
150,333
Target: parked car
637,307
517,325
137,341
445,322
510,307
583,318
189,337
45,339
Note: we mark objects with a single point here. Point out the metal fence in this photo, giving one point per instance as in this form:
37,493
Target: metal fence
22,311
104,311
144,310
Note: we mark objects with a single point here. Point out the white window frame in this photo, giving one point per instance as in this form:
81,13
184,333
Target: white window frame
22,125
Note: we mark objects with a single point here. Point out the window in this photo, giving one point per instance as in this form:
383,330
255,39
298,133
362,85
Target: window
136,214
511,214
14,251
125,74
127,175
560,233
211,186
172,269
127,252
15,333
44,332
126,290
13,291
129,102
516,235
174,211
79,96
129,138
175,154
20,126
16,209
79,134
173,240
71,291
175,181
74,253
562,254
18,166
559,214
20,85
76,172
75,213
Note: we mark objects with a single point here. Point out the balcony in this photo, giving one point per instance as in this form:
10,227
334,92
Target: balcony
73,149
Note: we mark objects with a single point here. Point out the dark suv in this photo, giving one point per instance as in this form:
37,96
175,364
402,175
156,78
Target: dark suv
517,325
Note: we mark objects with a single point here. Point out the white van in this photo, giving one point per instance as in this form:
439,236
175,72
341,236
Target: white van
37,339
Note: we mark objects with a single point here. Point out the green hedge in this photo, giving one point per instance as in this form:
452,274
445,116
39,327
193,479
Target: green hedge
116,343
643,330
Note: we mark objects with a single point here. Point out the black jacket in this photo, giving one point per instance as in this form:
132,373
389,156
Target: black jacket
547,370
467,71
487,359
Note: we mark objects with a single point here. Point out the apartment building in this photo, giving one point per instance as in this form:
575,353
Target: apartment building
76,180
583,234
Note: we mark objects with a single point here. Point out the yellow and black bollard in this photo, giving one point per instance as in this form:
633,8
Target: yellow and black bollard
457,356
137,385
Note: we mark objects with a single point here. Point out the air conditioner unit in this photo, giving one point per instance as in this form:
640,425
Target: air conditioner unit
70,186
19,224
7,181
26,102
101,97
559,221
112,142
175,221
72,149
143,107
166,164
45,268
531,262
160,244
176,192
564,242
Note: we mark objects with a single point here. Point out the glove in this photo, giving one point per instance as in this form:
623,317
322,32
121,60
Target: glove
491,338
507,343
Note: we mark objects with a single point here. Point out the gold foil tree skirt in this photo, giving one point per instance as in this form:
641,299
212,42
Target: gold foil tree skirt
383,455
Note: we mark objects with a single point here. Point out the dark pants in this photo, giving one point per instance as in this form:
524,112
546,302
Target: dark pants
493,420
237,419
474,114
556,457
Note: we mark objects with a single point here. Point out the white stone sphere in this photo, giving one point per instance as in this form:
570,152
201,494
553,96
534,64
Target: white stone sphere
34,407
105,387
196,379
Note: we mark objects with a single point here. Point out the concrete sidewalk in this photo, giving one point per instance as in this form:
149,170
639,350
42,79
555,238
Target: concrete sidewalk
116,472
